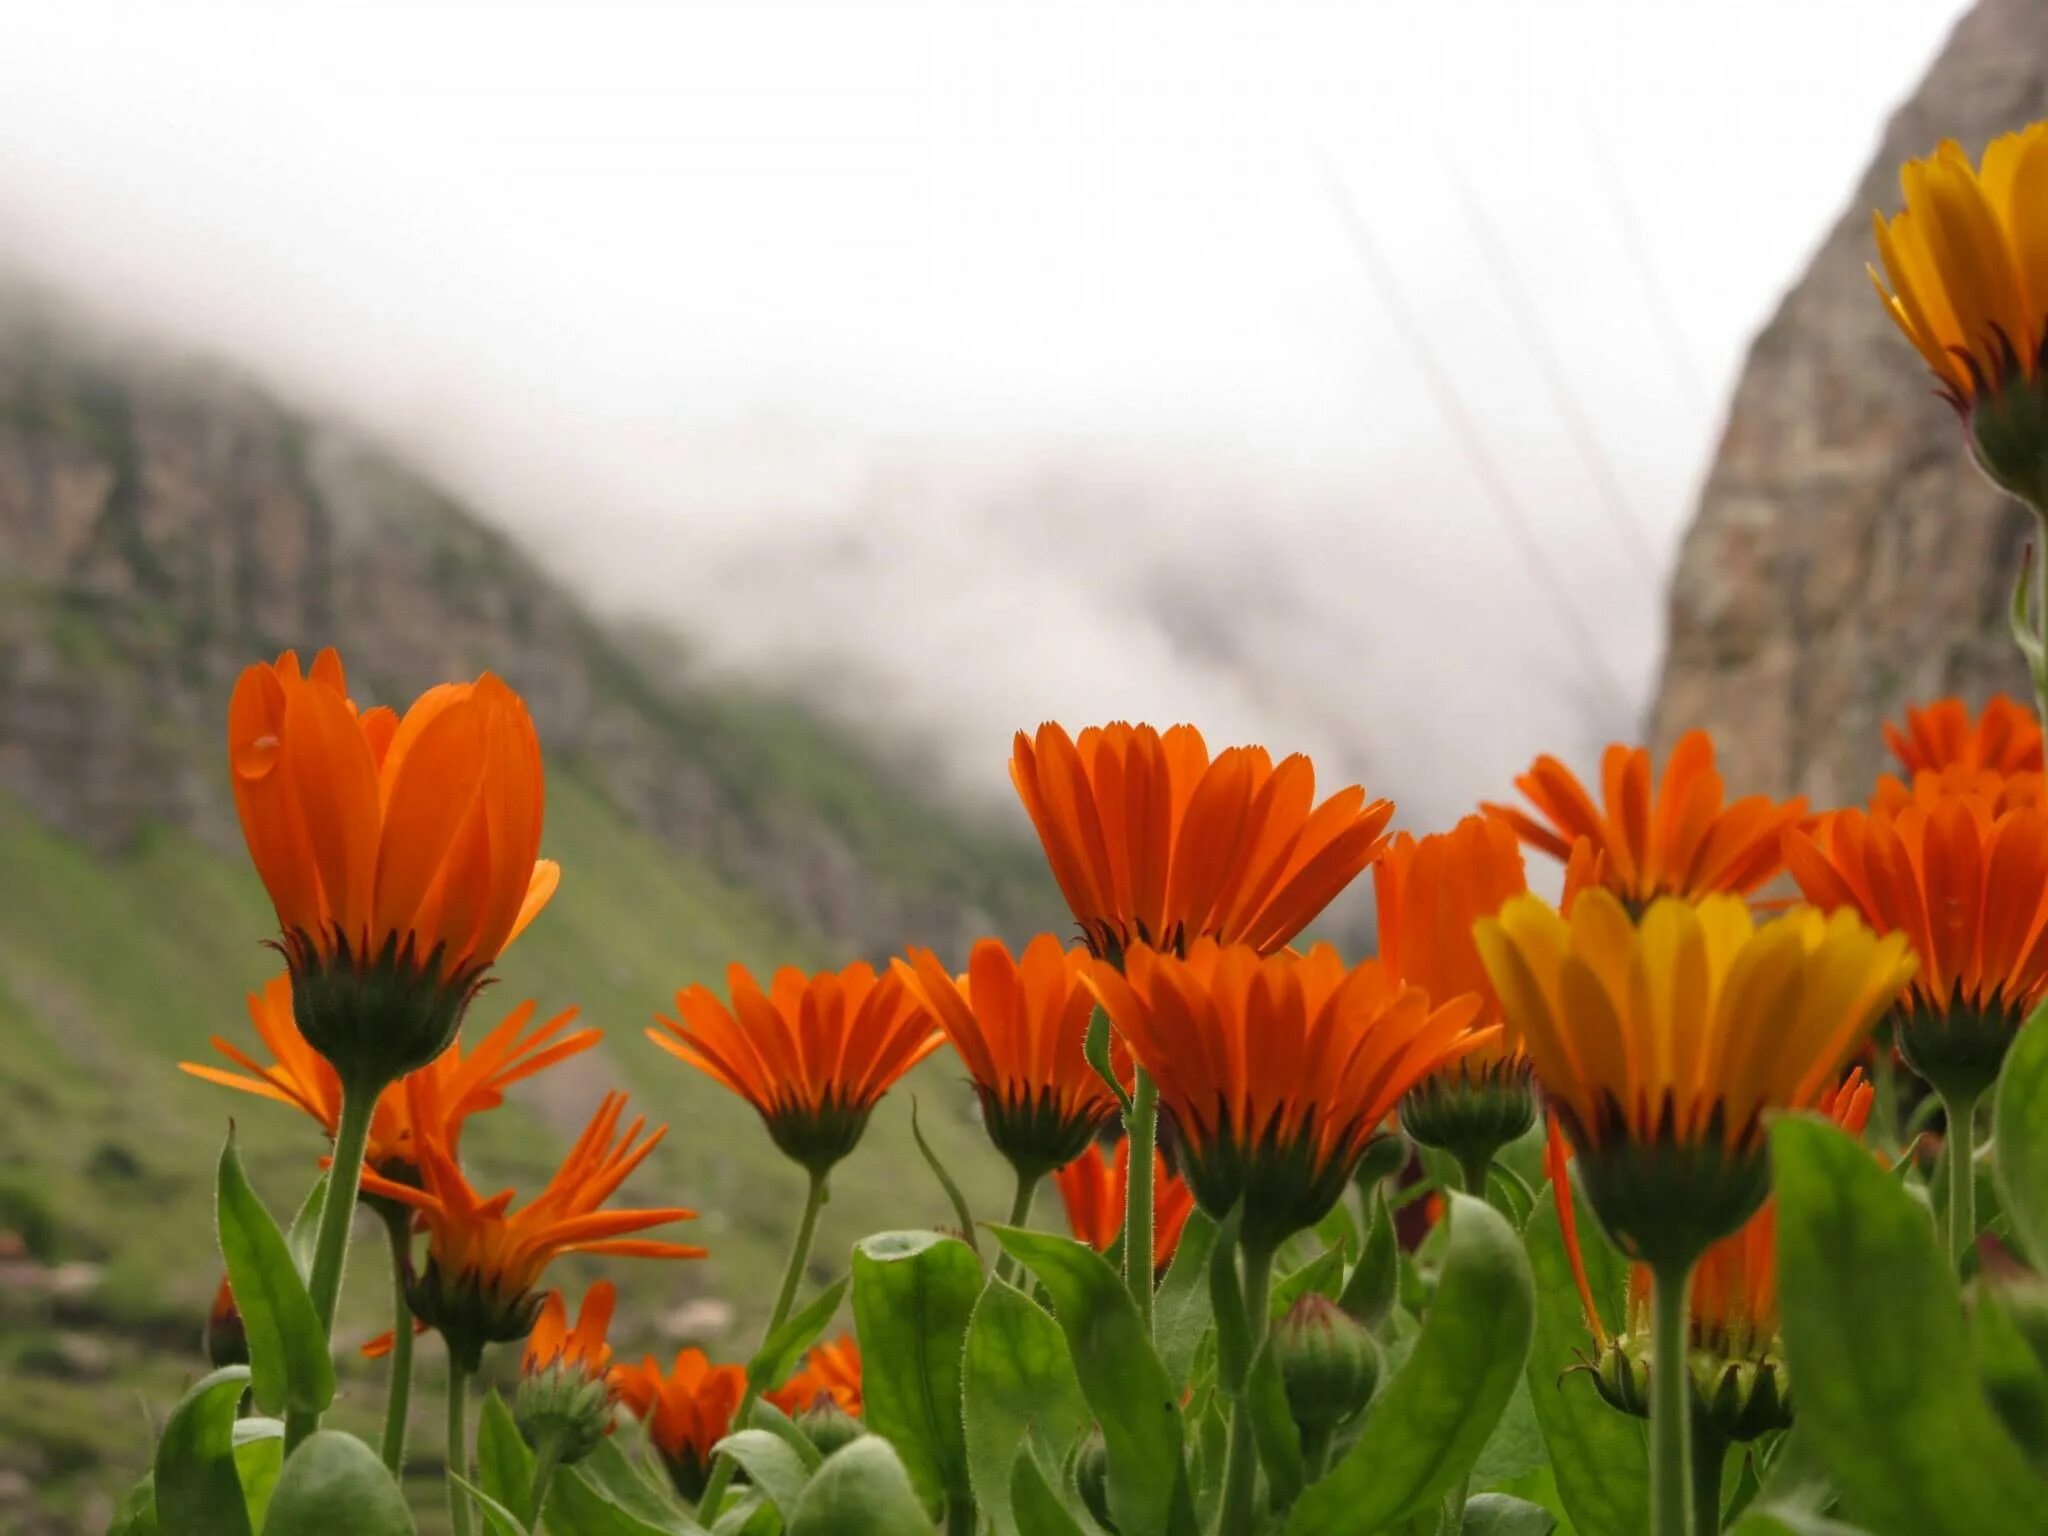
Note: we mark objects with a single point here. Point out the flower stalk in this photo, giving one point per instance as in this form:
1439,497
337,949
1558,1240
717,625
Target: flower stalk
398,1396
1671,1471
1141,1129
1020,1215
1960,1145
337,1215
1241,1469
458,1445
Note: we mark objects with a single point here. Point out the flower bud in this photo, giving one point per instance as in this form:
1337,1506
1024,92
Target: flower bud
227,1342
1328,1362
1091,1477
564,1406
1743,1399
1471,1112
829,1426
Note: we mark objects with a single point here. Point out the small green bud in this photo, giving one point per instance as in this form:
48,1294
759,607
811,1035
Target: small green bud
1744,1399
829,1426
565,1406
1091,1477
1328,1362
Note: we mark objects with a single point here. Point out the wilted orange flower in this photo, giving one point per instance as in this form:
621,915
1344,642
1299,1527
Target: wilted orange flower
581,1351
1678,840
1153,842
1021,1028
455,1085
1276,1070
831,1370
812,1054
1093,1187
484,1258
687,1411
1968,263
2005,739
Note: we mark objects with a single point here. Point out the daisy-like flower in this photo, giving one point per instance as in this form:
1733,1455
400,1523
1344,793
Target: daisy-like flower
1155,842
454,1085
830,1371
1021,1026
2001,791
1093,1186
687,1410
1679,838
485,1259
1660,1044
812,1054
1276,1070
2005,738
566,1391
401,855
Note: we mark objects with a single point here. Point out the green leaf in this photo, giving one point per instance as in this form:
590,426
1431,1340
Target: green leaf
781,1350
1039,1510
1875,1339
913,1293
136,1513
1384,1157
1792,1522
861,1490
578,1506
1273,1429
258,1461
305,1230
765,1415
1499,1514
499,1520
1322,1275
1509,1193
750,1515
1226,1306
1515,1446
504,1465
770,1466
612,1474
1369,1294
333,1483
1122,1379
289,1364
1429,1425
961,1213
2020,1138
1016,1377
2011,1372
198,1491
1180,1310
1600,1457
1095,1047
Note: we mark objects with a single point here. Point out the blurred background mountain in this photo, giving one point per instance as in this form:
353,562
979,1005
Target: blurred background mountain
1290,427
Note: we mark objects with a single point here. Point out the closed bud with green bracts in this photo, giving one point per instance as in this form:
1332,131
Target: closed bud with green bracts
1743,1399
566,1389
227,1343
1471,1110
828,1426
1091,1477
1328,1362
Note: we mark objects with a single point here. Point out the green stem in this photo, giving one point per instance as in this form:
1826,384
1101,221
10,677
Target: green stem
1670,1403
1473,1168
792,1276
1315,1453
1884,1111
1020,1215
547,1456
458,1447
1241,1469
337,1213
1709,1452
1960,1145
1141,1126
960,1517
398,1398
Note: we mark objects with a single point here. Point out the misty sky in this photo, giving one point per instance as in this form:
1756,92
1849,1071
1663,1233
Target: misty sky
969,364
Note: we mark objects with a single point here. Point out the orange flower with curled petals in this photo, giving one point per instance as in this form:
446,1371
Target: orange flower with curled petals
2005,738
1276,1070
1093,1188
1021,1028
581,1351
1153,842
813,1054
832,1371
565,1388
1678,839
485,1258
456,1084
687,1410
401,856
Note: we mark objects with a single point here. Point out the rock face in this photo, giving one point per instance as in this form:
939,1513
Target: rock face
162,524
1847,558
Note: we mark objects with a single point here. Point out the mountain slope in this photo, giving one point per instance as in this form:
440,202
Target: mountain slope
160,525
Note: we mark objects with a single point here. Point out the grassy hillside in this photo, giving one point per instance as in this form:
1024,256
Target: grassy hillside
112,968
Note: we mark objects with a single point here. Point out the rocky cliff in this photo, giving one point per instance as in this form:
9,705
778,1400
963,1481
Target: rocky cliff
1846,557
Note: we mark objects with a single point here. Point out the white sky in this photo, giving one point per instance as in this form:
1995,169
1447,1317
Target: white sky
972,363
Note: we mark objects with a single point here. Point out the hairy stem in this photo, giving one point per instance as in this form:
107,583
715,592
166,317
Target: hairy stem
398,1397
1020,1214
458,1446
1671,1478
1141,1125
1960,1145
1709,1451
337,1214
1241,1468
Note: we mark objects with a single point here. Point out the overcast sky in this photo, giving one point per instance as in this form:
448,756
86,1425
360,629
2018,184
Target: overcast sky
966,364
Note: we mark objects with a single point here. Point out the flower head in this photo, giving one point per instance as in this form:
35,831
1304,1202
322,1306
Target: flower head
565,1389
832,1371
484,1259
1966,885
455,1085
1094,1186
1276,1070
401,855
687,1410
812,1054
1154,842
1679,839
1021,1027
2005,738
1661,1043
2002,791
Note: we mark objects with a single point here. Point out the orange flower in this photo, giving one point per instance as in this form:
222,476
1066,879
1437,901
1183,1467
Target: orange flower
687,1411
484,1258
582,1351
1093,1187
2005,792
812,1054
832,1371
1153,842
1276,1070
1967,884
1681,840
1021,1029
398,854
456,1084
2006,738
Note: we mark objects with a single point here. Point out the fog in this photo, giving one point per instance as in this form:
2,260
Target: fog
1336,376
